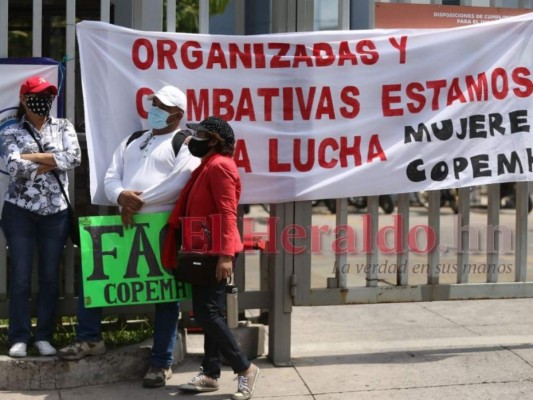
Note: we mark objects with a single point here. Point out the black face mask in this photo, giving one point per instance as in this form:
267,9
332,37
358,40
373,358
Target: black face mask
40,105
199,148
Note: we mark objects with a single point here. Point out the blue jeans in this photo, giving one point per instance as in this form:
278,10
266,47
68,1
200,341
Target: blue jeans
209,305
23,230
165,329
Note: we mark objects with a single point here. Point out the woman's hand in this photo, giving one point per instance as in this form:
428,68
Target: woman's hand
224,267
41,158
43,168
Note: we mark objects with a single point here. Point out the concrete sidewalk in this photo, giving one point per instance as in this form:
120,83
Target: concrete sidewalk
441,350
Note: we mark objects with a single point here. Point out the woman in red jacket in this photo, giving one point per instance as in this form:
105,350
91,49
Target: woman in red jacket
207,210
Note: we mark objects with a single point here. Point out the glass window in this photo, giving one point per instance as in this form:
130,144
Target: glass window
257,17
506,3
326,14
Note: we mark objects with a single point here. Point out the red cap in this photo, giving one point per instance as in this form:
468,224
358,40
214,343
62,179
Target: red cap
36,84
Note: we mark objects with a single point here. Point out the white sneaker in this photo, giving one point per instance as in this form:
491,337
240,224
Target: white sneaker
18,350
200,383
45,348
246,385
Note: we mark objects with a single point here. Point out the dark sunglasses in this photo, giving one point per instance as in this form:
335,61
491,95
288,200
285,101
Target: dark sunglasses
145,143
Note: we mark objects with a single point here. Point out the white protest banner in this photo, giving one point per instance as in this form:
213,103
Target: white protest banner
328,114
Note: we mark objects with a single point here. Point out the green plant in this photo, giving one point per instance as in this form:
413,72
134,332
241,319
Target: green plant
116,332
187,14
128,334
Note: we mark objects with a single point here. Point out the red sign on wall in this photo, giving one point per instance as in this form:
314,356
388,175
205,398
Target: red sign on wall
396,15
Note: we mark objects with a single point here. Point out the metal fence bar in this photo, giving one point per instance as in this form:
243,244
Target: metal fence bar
434,225
204,16
370,233
344,14
402,258
171,16
280,272
70,91
4,27
493,238
70,87
301,276
521,228
341,258
305,12
37,28
240,17
105,16
105,10
463,235
421,293
4,34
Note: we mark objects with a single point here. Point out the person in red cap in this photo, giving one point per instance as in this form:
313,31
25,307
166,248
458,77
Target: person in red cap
38,151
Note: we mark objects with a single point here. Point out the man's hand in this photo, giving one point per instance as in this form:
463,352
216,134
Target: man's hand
224,267
129,199
126,215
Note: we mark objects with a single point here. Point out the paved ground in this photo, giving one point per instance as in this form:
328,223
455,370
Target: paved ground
442,350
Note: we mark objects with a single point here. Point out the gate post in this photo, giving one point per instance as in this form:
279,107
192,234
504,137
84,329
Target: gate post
286,16
280,271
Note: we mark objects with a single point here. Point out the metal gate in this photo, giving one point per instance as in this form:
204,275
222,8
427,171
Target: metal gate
474,272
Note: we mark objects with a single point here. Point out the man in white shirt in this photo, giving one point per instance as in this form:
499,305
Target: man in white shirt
146,175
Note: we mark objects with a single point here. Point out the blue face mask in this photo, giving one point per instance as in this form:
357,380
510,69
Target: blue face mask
157,118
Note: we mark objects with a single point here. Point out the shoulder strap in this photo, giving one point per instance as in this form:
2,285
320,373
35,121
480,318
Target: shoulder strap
134,136
178,140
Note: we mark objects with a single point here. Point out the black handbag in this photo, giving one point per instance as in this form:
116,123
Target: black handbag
196,268
74,231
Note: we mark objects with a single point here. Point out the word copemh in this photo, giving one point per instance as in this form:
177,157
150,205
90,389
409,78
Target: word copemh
142,279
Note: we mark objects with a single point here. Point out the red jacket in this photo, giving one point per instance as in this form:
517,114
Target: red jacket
212,204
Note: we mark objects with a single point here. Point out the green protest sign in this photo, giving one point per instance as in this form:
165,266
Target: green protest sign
122,266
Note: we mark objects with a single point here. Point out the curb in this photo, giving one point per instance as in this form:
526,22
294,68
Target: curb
50,373
46,373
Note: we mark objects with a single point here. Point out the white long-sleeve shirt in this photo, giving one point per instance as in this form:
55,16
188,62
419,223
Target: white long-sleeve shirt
154,170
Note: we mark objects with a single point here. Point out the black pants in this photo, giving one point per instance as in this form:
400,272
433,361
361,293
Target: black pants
209,305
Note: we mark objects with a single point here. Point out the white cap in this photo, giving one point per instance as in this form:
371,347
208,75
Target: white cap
171,96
